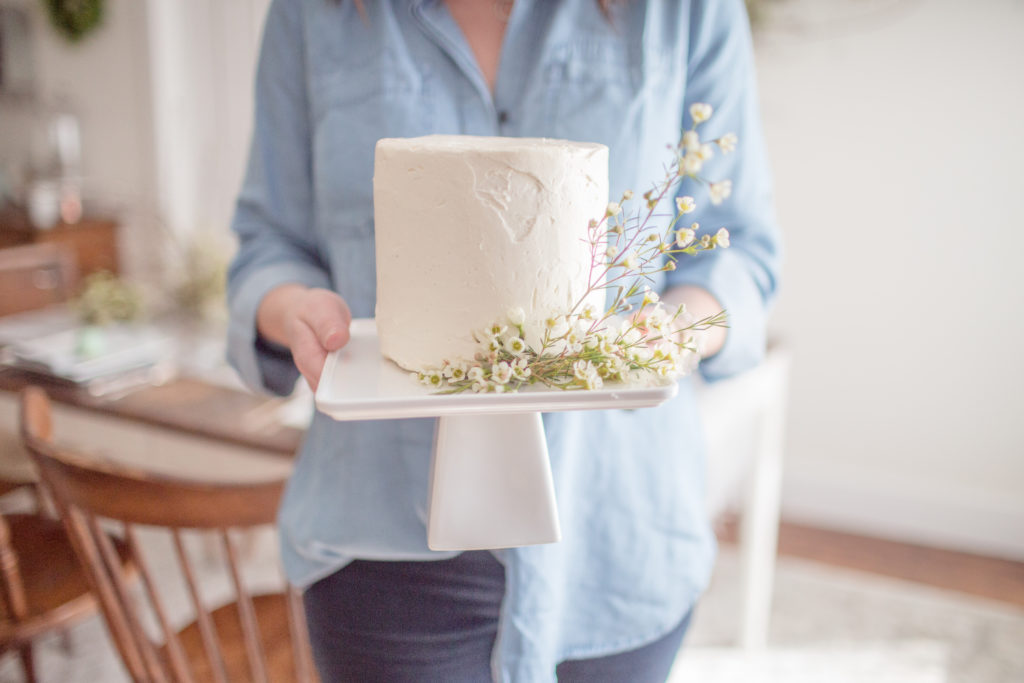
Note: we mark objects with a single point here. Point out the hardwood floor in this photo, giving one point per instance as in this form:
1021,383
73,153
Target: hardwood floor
986,577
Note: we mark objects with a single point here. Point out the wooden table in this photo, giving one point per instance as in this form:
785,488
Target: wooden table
184,405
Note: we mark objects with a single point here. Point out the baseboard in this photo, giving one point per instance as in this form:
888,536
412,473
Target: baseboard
912,512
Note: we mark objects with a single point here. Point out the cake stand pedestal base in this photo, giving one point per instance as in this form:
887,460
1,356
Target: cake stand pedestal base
490,483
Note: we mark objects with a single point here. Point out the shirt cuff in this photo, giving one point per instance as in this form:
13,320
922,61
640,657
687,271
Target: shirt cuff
726,275
263,365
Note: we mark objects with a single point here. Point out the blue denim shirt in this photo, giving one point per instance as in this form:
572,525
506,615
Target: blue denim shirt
637,548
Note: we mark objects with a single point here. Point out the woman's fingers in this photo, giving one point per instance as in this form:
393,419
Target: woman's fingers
327,315
308,354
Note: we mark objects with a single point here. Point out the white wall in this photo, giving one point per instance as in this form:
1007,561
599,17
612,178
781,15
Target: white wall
163,90
105,80
896,135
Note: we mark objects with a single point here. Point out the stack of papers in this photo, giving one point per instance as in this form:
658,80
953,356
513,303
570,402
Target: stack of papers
112,359
119,349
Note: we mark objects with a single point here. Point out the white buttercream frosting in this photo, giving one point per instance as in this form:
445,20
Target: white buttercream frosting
469,227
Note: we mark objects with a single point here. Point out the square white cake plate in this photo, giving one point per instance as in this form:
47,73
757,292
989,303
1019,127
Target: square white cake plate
490,481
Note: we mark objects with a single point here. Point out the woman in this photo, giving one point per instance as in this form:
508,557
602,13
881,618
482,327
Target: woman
612,600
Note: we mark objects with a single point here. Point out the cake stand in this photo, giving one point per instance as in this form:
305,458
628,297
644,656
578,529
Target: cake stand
490,478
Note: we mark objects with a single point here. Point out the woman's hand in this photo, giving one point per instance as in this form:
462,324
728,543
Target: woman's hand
700,303
309,322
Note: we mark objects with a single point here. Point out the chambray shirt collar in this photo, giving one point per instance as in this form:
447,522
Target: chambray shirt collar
438,23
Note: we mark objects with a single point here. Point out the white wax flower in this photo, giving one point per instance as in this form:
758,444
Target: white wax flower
692,163
727,143
720,191
705,152
589,312
721,238
501,372
594,381
650,296
516,316
455,372
581,369
685,237
475,374
515,345
613,209
611,252
496,330
521,369
686,204
627,195
691,141
700,112
631,261
431,378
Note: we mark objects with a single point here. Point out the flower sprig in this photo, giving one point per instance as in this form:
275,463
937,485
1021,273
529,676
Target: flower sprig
635,339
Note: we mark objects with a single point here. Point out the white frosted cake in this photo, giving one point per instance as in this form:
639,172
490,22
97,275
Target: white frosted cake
469,227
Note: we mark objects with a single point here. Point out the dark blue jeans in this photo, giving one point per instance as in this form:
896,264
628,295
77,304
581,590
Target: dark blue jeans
420,622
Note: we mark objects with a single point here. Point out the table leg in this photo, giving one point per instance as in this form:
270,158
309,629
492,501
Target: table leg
490,484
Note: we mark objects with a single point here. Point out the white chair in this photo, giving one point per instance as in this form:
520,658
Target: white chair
744,420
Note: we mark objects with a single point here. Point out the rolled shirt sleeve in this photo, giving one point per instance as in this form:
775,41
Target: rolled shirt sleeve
274,213
743,278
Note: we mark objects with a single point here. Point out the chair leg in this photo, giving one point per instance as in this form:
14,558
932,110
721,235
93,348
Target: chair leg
27,663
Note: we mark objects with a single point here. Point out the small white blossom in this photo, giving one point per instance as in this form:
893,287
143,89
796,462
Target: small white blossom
479,386
631,261
521,369
691,141
475,374
727,143
700,112
456,372
706,152
650,296
685,204
640,353
692,163
657,321
721,238
496,330
720,191
431,378
515,345
611,252
501,372
581,369
589,312
594,381
516,316
627,195
685,237
613,209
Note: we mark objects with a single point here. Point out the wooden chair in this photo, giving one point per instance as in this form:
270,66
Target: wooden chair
254,638
43,587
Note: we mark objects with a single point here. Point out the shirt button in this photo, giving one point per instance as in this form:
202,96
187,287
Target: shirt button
502,117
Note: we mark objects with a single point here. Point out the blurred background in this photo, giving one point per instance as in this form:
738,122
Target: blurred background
895,132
